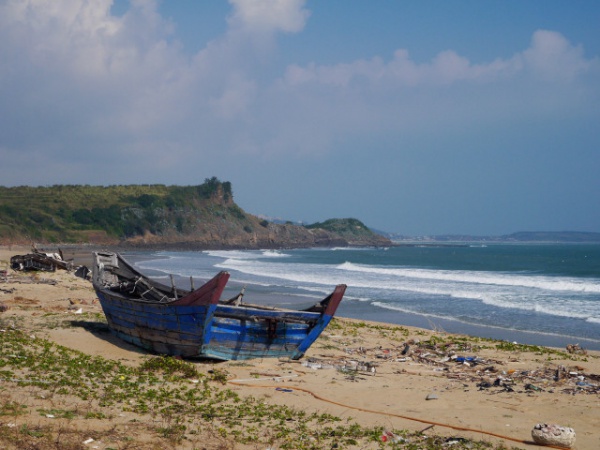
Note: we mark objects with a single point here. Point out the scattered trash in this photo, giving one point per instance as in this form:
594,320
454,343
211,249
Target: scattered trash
343,365
576,349
552,434
284,390
389,436
443,357
462,359
88,441
454,440
484,385
312,364
82,272
432,396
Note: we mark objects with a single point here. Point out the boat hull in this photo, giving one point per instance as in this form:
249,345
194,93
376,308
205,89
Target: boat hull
196,324
163,329
212,331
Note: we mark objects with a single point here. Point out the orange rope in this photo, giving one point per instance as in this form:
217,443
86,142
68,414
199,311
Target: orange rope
400,416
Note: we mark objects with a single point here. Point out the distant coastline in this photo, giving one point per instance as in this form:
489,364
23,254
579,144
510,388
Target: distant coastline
564,237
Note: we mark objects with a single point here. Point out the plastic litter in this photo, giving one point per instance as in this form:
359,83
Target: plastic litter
389,436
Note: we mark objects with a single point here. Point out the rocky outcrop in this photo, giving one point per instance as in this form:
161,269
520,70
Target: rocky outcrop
203,216
252,233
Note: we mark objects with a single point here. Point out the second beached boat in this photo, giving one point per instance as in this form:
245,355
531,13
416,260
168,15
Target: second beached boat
196,323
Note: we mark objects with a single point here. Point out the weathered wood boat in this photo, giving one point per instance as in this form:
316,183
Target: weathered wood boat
45,262
195,323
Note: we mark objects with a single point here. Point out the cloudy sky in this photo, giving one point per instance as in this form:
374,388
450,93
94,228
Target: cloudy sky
416,117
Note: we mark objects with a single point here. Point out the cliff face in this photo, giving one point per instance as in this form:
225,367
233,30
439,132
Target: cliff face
203,216
250,232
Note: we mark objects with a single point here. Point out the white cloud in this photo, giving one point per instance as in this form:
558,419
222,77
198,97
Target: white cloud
75,62
235,99
79,83
269,15
550,56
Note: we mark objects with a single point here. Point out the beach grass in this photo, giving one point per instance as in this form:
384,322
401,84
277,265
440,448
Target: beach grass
54,397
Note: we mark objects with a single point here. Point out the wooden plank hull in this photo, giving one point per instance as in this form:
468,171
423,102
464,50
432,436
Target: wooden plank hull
247,334
163,329
197,325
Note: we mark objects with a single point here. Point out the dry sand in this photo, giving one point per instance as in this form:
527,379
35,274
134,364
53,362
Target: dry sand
391,390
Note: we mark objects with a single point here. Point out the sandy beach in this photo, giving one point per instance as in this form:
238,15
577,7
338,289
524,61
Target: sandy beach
376,375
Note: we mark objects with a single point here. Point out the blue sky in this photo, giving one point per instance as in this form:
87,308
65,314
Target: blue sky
416,117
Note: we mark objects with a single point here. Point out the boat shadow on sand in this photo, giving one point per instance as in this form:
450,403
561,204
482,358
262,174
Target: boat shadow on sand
102,331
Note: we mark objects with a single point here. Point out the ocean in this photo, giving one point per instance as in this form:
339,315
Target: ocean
539,294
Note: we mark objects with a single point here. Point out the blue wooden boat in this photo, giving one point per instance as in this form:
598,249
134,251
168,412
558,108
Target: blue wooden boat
195,323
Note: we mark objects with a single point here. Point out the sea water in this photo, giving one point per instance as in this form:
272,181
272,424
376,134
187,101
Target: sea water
546,294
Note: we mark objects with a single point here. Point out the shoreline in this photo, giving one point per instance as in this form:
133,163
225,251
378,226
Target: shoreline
80,254
419,381
357,310
482,331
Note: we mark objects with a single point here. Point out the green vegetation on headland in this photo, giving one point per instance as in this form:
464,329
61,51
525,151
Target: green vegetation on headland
204,216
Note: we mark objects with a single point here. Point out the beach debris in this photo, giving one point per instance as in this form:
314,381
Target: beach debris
39,261
454,440
342,365
83,272
466,359
283,389
27,280
432,396
552,434
532,387
576,349
390,436
459,361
